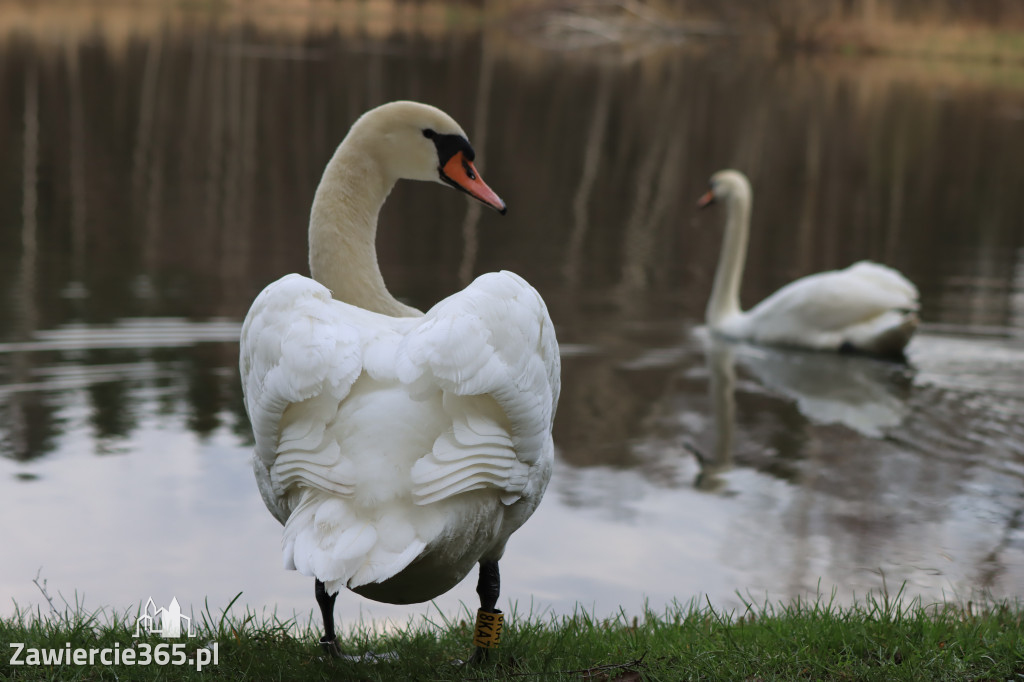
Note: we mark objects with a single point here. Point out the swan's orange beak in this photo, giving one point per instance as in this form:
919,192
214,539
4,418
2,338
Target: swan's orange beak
460,173
706,200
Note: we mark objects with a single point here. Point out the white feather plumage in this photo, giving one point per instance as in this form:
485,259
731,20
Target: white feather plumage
370,429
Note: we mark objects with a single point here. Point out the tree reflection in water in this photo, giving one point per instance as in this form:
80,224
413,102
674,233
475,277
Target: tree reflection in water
156,180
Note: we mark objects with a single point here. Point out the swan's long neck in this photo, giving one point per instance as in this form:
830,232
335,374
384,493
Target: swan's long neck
725,294
343,230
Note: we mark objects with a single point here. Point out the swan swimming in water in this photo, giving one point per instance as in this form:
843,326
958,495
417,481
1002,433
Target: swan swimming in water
867,307
398,448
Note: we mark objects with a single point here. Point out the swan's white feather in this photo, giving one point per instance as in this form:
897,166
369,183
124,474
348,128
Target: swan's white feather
382,440
858,305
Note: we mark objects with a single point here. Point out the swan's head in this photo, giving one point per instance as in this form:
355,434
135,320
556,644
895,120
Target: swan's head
416,141
726,185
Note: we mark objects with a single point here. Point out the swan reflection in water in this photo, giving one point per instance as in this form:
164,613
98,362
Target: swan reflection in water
861,393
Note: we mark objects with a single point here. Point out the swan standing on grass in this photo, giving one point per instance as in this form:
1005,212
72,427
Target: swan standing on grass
398,449
867,308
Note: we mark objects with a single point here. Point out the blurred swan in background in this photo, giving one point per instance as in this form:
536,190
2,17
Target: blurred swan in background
867,307
398,449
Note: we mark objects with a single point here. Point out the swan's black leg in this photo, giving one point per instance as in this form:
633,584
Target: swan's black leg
329,642
489,619
488,585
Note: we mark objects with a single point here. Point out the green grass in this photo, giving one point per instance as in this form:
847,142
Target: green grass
879,638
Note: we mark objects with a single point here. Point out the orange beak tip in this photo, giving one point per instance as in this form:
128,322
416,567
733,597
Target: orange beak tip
462,174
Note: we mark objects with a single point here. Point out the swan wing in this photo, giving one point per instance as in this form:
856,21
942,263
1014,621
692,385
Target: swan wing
828,303
491,351
888,279
300,354
319,388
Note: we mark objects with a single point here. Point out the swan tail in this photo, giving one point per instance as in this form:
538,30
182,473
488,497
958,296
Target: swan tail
327,538
886,335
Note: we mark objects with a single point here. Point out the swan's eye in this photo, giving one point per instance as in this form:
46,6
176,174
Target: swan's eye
429,134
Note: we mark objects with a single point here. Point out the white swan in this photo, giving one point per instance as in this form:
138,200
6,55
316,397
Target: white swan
867,307
399,449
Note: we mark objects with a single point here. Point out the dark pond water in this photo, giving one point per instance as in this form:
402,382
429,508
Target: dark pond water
153,182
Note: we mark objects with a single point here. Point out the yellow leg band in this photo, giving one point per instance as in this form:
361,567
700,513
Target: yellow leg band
487,632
